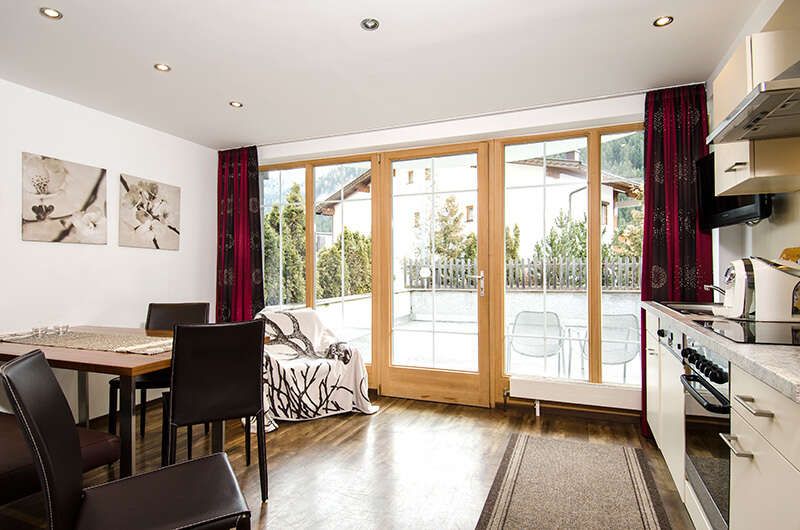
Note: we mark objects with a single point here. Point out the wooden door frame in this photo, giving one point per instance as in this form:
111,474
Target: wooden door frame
471,388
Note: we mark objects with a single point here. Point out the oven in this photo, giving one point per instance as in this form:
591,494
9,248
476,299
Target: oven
707,424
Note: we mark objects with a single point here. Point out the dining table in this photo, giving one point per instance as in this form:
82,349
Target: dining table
127,366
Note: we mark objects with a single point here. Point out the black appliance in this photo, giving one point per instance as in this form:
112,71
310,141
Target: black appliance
719,211
707,423
755,332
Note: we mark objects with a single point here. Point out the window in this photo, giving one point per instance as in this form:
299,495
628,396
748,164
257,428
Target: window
546,270
469,215
343,271
284,237
622,164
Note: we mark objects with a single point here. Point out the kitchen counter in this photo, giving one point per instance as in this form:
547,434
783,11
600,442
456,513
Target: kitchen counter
777,366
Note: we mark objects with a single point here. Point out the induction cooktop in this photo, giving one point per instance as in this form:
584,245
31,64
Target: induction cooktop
753,332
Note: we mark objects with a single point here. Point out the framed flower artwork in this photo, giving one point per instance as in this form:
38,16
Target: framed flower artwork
149,214
62,202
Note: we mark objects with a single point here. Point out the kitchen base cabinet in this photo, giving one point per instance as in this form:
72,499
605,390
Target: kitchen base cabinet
652,382
764,484
673,438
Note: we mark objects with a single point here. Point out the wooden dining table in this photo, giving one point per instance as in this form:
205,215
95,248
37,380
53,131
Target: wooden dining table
125,365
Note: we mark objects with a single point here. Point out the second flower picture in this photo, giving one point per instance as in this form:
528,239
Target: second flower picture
149,214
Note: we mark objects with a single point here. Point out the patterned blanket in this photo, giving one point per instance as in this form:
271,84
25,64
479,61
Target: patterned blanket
308,373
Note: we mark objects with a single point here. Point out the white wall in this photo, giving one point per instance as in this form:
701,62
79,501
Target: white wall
49,283
594,113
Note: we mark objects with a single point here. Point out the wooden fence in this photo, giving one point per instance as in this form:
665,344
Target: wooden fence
558,274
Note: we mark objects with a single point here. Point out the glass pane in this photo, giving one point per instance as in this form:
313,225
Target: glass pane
434,253
546,271
343,246
284,237
622,225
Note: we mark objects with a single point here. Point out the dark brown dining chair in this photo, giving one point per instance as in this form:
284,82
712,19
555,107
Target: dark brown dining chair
201,493
162,317
217,375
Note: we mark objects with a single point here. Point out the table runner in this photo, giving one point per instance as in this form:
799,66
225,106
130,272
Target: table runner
85,340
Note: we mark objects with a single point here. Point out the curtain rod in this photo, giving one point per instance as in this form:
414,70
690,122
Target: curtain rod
482,115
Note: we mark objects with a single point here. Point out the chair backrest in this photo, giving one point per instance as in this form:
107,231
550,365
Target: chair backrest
539,324
166,316
623,332
49,428
217,372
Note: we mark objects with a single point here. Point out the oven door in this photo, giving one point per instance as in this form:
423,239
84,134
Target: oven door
707,457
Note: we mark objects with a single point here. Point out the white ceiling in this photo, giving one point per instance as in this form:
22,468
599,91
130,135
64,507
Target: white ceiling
304,68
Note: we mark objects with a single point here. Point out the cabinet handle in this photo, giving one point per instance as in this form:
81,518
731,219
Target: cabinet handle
729,439
746,401
735,166
651,351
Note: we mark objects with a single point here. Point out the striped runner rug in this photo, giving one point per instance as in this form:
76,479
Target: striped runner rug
547,483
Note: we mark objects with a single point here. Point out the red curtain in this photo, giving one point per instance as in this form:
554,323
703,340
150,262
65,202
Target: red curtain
240,292
676,254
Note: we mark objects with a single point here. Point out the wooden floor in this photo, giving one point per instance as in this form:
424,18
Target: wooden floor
411,465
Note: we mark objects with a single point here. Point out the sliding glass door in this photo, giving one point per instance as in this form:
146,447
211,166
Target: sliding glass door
438,272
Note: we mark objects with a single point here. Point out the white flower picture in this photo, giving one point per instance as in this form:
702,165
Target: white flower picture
149,214
62,201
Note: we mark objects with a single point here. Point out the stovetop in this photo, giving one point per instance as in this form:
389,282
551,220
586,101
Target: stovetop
753,332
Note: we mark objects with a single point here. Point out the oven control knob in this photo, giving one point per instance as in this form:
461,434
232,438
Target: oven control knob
689,353
662,333
709,368
702,364
719,376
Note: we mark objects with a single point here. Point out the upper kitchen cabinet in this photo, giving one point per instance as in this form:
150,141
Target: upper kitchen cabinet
757,166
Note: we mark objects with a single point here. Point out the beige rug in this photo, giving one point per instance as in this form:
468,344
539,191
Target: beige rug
546,483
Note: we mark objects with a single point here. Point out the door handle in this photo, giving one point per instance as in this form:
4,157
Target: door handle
747,401
735,166
480,277
729,439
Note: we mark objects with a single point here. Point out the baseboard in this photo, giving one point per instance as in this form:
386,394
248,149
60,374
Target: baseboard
590,412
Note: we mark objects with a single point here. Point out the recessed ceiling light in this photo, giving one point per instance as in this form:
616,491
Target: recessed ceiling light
161,67
370,24
660,22
236,104
49,12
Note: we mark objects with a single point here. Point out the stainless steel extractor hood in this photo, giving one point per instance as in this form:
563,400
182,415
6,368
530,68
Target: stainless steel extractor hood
771,110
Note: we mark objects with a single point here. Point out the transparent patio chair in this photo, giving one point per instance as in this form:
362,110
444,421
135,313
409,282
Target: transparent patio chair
538,334
620,339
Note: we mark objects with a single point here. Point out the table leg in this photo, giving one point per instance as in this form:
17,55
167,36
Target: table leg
217,436
127,427
83,399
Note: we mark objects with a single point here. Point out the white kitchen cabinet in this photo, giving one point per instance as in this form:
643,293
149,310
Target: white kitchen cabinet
764,484
672,435
762,166
652,384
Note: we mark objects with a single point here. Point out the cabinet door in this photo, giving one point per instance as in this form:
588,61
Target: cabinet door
672,444
772,53
764,486
653,385
732,166
731,85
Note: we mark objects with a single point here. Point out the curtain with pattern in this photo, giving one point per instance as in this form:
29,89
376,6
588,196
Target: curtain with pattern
240,290
676,258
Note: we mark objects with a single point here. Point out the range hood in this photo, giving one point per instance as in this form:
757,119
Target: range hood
771,110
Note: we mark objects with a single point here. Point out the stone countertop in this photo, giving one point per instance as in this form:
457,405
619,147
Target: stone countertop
777,366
